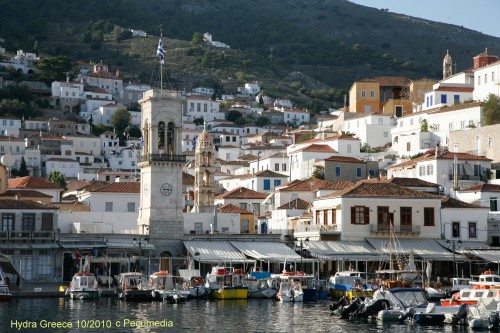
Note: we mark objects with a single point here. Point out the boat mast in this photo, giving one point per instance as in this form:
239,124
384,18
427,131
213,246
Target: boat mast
390,247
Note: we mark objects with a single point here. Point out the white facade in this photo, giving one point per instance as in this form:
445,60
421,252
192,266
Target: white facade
296,117
445,96
111,202
10,127
124,159
373,129
203,107
249,89
204,91
109,143
465,224
487,81
85,144
66,166
74,90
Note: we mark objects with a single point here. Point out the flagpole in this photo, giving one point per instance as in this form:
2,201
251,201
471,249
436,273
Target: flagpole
161,61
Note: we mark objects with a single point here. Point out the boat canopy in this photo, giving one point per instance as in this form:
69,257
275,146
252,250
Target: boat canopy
343,250
215,252
267,251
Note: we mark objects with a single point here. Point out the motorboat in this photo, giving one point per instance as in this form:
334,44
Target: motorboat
133,286
485,315
226,283
167,287
351,284
260,285
83,286
434,294
193,283
487,286
291,291
307,291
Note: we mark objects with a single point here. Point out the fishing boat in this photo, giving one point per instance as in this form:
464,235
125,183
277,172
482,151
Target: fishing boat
226,283
133,286
167,288
193,283
351,284
294,287
260,285
84,285
486,287
5,294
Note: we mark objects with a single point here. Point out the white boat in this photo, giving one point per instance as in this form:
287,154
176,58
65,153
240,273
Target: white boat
5,294
487,286
226,283
484,315
84,286
291,291
307,292
193,283
260,285
351,284
167,288
133,286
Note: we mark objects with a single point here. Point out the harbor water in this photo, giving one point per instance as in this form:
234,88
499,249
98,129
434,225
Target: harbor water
112,315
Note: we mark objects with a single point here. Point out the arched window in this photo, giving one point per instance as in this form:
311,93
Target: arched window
161,135
170,138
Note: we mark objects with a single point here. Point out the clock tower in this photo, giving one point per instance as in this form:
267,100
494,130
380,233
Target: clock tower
161,163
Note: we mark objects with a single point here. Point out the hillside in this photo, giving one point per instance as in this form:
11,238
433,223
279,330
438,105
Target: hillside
287,45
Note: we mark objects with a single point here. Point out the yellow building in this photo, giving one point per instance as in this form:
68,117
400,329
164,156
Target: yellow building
364,96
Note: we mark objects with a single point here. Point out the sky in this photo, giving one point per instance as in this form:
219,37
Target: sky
479,15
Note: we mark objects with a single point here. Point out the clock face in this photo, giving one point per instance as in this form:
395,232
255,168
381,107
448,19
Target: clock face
166,189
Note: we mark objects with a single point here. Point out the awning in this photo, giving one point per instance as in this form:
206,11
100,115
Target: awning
487,255
28,246
343,250
129,246
267,251
426,249
215,252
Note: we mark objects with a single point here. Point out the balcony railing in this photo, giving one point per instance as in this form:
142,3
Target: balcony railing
316,228
163,158
399,229
27,235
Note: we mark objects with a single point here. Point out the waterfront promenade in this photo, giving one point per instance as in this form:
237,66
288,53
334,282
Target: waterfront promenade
49,289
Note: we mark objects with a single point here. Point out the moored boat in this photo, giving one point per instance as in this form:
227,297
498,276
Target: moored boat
486,287
5,294
260,285
133,286
193,283
351,284
167,288
83,286
223,284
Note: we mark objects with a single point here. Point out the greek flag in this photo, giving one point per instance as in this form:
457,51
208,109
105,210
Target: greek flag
160,53
142,141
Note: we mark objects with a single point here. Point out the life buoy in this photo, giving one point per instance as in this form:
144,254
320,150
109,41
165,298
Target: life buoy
299,274
197,281
374,286
488,272
288,273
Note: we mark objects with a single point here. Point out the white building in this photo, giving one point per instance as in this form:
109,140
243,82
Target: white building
66,166
10,126
249,89
371,129
203,107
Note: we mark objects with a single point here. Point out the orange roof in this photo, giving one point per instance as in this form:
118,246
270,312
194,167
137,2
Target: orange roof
241,193
313,184
125,187
230,208
32,183
24,204
346,159
317,148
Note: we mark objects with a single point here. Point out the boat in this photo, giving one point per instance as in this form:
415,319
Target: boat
226,283
435,295
133,286
260,285
5,294
167,288
486,287
193,283
351,284
484,315
84,285
458,284
295,280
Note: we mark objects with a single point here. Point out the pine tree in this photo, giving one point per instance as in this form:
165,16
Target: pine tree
23,170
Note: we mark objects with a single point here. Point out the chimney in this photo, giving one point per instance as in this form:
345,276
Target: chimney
437,150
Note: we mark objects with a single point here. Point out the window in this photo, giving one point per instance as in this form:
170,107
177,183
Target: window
430,170
372,93
337,171
479,80
108,207
472,230
244,226
386,134
256,208
429,216
283,167
28,223
363,93
198,227
44,263
456,99
405,219
493,204
267,184
450,126
205,107
358,172
276,167
485,78
277,182
408,146
349,149
360,215
47,222
243,206
8,220
490,141
493,77
455,229
131,207
443,98
462,124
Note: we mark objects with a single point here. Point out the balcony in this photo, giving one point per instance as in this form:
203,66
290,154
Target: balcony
163,158
398,229
494,216
26,235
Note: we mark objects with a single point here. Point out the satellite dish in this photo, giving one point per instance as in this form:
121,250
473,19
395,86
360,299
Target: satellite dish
8,160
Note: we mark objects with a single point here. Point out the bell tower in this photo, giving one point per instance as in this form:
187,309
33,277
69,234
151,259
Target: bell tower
204,186
161,164
447,66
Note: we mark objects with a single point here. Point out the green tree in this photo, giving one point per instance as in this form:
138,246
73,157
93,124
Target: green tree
318,172
58,178
262,121
424,126
99,129
120,119
233,115
197,40
53,68
199,121
36,47
23,169
491,110
261,100
134,131
87,37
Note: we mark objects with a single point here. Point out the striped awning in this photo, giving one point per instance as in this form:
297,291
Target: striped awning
486,255
343,250
215,252
267,251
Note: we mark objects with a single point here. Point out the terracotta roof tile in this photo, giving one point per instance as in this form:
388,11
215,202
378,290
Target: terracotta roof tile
24,204
483,188
29,182
296,204
455,203
269,173
382,190
317,149
24,193
242,193
187,179
313,184
126,187
336,158
412,182
230,208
